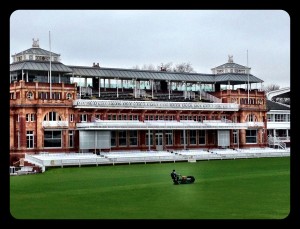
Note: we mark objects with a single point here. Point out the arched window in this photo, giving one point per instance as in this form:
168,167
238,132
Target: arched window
52,116
251,118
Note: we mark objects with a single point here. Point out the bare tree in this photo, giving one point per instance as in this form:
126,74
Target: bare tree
271,87
168,67
165,67
184,67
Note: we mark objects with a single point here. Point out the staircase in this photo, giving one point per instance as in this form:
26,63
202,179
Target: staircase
273,142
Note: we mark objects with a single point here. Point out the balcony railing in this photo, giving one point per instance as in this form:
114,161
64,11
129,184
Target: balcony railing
255,124
162,105
161,125
55,124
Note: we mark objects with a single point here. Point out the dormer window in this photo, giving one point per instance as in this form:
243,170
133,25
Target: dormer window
42,58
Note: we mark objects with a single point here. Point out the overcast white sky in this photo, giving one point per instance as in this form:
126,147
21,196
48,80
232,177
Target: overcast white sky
126,38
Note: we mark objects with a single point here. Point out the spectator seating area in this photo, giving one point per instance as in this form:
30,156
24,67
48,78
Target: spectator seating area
127,157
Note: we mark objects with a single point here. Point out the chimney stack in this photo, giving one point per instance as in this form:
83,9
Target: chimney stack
96,65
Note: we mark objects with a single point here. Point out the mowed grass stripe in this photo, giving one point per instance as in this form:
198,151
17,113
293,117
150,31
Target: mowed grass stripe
227,189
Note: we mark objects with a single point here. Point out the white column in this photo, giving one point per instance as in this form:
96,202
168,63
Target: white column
135,88
117,88
238,138
184,139
95,141
184,82
169,82
80,86
99,82
152,81
26,76
149,142
200,90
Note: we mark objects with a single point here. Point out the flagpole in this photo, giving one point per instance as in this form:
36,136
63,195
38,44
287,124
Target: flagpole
50,67
248,76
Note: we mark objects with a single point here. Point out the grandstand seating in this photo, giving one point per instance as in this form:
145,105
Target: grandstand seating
127,157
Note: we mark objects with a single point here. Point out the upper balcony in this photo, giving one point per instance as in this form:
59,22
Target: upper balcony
153,105
55,124
164,125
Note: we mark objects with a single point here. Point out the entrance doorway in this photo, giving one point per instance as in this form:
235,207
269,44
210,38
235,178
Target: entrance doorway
159,140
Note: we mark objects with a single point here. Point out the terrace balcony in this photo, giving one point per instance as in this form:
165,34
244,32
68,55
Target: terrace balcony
164,125
55,124
148,105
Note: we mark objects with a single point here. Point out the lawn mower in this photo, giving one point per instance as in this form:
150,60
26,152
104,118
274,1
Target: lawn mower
184,179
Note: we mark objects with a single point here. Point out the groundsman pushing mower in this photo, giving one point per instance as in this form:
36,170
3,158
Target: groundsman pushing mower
183,179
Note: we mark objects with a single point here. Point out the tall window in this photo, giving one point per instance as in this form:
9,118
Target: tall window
251,118
52,116
235,136
29,117
29,139
71,138
52,138
83,117
193,136
122,137
43,95
113,138
251,136
201,137
182,137
169,137
56,95
71,117
133,137
279,118
151,138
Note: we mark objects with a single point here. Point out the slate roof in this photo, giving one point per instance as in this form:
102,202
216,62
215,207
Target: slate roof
275,106
37,51
39,66
231,65
234,78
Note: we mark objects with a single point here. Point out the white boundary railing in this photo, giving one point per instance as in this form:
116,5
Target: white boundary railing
78,159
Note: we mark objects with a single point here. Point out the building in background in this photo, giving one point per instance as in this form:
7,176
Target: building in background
278,123
62,108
